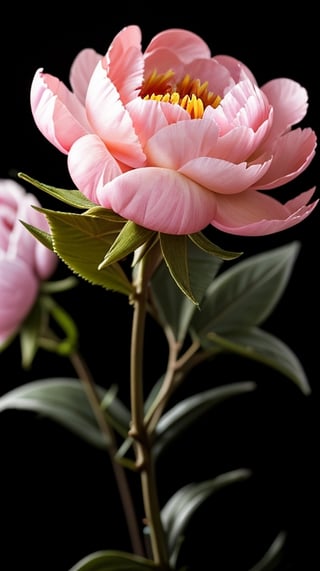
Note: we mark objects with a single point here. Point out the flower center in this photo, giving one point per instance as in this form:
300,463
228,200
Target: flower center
190,94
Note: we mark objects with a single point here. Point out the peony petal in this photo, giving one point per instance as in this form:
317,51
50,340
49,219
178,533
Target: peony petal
57,112
223,177
91,166
15,301
255,214
293,153
111,121
124,63
159,199
289,101
186,45
81,70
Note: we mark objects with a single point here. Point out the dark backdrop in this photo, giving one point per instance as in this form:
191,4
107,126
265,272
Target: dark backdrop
58,498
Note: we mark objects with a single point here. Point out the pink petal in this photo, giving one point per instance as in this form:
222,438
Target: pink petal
289,101
159,199
186,45
91,165
18,292
111,121
255,214
57,112
81,70
124,63
293,153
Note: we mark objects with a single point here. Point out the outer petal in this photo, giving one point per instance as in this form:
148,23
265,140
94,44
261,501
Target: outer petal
111,121
57,112
91,166
255,214
160,199
124,63
290,103
293,153
18,291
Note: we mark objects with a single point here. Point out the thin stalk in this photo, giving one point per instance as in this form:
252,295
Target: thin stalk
144,460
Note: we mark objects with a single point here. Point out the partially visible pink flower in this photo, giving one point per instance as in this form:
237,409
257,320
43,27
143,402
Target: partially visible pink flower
175,139
24,261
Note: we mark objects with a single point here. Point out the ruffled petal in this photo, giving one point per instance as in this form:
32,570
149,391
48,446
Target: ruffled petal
159,199
111,121
81,70
255,214
293,153
91,166
57,112
186,45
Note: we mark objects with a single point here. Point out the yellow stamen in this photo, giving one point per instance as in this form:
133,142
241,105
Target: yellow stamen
190,94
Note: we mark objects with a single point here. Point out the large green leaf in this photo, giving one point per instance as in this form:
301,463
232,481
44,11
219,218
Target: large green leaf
180,508
191,267
114,561
246,294
258,345
64,401
81,240
187,411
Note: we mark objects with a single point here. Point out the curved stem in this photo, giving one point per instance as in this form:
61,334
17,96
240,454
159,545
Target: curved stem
144,460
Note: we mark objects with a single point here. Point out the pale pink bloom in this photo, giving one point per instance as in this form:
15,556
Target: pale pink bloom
175,139
24,261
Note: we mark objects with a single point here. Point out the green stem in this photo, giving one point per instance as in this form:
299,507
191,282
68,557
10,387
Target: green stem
144,459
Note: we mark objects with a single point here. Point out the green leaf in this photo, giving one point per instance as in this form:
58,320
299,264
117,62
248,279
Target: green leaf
192,268
29,334
81,240
72,197
64,401
246,294
180,508
128,240
114,560
202,242
187,411
44,237
258,345
273,555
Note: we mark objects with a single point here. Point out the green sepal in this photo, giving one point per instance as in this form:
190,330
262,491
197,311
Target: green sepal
81,241
273,555
73,198
113,560
44,237
192,268
129,239
200,240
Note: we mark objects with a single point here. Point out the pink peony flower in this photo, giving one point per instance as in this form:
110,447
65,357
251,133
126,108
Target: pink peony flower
24,261
175,139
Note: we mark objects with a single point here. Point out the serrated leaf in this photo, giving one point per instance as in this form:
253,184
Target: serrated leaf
128,240
112,561
246,294
187,411
259,345
44,237
72,197
81,241
191,268
64,401
180,508
273,555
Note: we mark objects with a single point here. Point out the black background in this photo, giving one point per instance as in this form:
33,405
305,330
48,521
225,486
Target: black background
58,498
